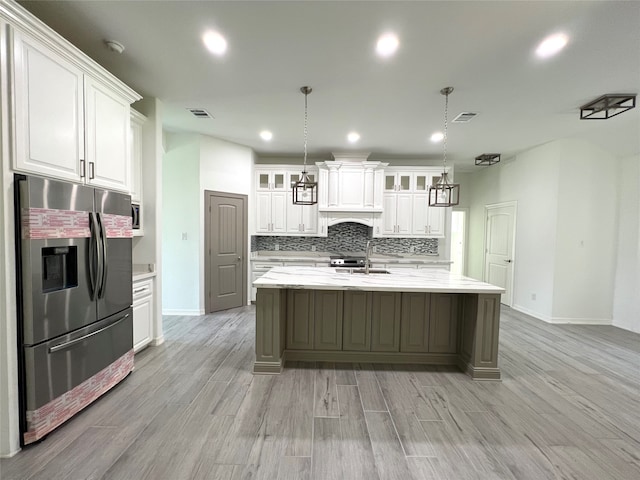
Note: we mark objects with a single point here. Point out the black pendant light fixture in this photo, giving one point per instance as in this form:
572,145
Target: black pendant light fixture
305,190
488,159
608,106
444,193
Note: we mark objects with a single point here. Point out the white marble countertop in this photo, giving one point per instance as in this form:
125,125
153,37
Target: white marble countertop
140,271
398,280
289,256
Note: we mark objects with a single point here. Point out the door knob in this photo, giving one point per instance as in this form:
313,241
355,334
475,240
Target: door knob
508,261
239,258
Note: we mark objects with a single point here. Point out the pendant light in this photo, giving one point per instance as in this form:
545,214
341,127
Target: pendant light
444,193
305,190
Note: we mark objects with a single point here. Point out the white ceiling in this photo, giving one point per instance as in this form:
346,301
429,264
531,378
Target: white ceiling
483,49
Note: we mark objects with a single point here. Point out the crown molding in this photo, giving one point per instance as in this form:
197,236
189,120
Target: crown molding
19,18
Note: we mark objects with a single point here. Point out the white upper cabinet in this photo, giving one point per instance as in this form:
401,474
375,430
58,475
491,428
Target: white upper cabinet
397,182
302,219
71,115
107,127
275,212
350,183
406,204
49,111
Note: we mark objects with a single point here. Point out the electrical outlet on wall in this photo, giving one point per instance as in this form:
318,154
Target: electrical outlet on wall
533,296
412,249
276,247
374,249
313,248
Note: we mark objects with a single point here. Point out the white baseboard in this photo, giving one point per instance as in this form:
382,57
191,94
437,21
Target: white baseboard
582,321
563,320
531,313
157,341
182,312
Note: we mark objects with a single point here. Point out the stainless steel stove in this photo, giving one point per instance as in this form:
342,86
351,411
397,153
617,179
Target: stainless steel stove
346,261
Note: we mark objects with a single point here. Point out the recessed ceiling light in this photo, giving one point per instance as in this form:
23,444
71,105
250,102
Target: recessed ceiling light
266,135
551,45
353,137
215,42
437,137
387,45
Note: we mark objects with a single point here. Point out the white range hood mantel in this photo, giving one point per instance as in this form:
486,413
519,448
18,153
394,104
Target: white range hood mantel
350,188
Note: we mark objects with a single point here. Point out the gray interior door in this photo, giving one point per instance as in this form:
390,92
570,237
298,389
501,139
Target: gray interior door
226,241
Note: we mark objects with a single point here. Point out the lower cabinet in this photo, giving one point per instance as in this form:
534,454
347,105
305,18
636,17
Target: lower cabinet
142,313
328,320
356,332
359,321
300,319
414,323
443,327
385,321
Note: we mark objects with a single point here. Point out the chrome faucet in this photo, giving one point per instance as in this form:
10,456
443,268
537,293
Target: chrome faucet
366,257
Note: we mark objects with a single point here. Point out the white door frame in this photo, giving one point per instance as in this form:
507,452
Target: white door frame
465,250
487,208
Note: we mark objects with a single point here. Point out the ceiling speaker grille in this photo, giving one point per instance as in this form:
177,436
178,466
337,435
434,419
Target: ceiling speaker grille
464,117
200,113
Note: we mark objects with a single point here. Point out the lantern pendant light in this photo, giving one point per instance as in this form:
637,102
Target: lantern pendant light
305,190
444,193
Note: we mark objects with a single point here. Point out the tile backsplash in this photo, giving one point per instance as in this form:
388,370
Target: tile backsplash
346,237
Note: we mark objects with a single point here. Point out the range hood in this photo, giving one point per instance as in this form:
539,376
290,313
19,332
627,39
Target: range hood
350,188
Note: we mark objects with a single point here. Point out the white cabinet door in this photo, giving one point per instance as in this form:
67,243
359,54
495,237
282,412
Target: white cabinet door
263,212
135,155
279,211
404,207
107,128
294,218
420,224
142,313
310,219
389,202
142,323
302,219
436,216
271,212
49,93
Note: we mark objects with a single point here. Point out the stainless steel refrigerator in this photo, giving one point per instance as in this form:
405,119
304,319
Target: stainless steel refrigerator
74,281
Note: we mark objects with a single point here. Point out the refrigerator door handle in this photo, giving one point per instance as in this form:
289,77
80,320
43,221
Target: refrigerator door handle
93,258
103,235
67,345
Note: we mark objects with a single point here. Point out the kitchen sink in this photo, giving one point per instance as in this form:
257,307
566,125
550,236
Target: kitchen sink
361,270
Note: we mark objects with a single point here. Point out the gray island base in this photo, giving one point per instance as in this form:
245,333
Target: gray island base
425,316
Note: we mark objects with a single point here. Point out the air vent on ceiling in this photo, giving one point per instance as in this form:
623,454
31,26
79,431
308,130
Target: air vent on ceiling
464,117
200,113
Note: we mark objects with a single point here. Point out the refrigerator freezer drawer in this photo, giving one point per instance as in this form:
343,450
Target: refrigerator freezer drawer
55,367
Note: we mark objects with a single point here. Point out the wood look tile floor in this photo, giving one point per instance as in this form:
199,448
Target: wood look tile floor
567,408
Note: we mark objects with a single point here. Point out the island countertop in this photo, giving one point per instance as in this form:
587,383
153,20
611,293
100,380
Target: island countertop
398,280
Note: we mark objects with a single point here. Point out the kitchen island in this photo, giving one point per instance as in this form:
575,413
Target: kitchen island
427,316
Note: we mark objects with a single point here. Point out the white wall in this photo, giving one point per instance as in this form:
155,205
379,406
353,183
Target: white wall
148,249
192,164
224,167
626,297
180,216
573,240
531,180
585,258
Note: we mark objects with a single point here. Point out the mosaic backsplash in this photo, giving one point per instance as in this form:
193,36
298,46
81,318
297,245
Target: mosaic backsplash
346,237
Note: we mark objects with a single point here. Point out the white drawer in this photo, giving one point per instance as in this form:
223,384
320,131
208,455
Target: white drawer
142,289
